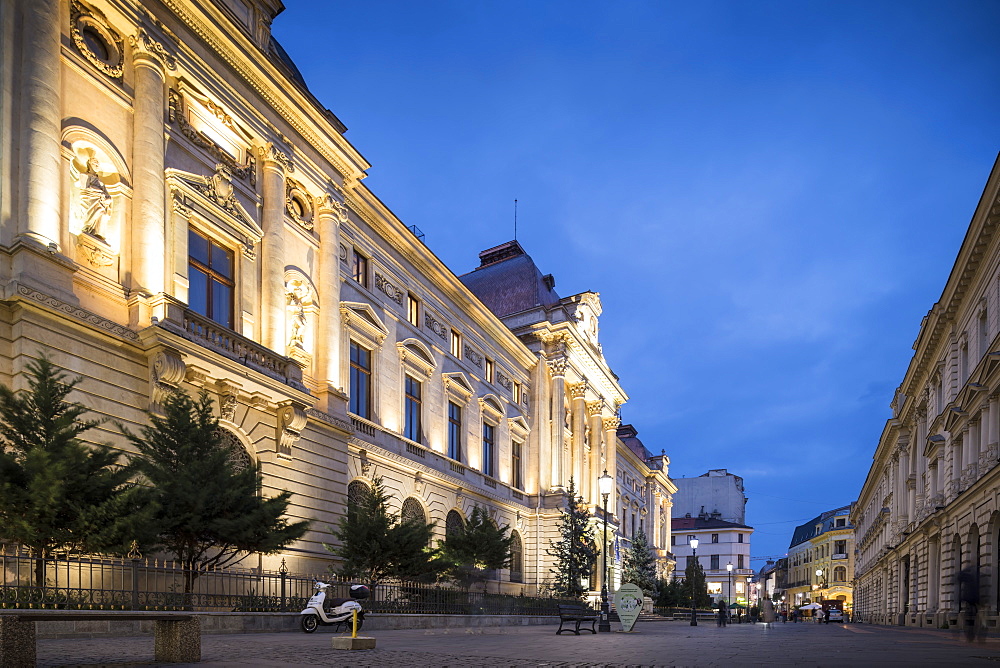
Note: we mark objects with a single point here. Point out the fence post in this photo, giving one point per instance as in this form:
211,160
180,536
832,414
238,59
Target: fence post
283,570
134,555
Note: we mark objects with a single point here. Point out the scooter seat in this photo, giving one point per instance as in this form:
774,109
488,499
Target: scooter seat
337,602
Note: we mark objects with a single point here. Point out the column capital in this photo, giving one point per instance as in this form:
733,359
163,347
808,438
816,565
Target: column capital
612,423
146,49
332,205
557,366
578,390
271,155
595,408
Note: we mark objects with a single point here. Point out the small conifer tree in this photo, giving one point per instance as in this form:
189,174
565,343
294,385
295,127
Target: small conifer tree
640,565
478,547
695,585
575,551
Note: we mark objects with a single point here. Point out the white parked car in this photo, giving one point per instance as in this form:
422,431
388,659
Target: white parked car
836,615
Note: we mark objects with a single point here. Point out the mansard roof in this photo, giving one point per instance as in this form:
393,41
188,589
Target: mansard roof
508,282
679,523
807,531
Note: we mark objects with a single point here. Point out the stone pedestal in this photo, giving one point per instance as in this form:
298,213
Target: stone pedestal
17,643
178,642
347,642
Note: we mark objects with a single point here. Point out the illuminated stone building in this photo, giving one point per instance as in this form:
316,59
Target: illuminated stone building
821,560
929,506
179,212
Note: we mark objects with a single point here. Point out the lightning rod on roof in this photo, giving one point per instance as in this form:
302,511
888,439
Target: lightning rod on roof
515,220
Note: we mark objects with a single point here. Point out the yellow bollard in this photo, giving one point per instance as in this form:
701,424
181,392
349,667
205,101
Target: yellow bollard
354,623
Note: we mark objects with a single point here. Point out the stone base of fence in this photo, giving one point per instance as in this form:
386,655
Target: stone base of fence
281,622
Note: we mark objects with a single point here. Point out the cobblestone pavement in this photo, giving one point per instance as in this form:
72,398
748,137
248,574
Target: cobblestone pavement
655,644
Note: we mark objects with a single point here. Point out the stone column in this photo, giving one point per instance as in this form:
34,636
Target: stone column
540,474
272,255
596,429
330,214
149,215
557,368
41,123
611,445
578,417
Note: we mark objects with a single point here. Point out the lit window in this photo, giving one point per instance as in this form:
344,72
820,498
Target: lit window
361,374
715,538
489,433
516,393
413,310
454,431
515,465
210,275
360,269
489,371
456,344
413,403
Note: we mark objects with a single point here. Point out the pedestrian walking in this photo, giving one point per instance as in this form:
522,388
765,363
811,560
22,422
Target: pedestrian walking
767,612
826,616
723,613
968,587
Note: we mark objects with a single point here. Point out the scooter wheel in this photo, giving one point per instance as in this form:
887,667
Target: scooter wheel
310,623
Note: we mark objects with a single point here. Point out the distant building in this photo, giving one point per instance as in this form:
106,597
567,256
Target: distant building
772,581
720,543
717,494
821,560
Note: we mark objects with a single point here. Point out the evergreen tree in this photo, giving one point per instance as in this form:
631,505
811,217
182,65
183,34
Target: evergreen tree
56,492
479,547
575,551
376,546
694,582
670,593
640,565
208,511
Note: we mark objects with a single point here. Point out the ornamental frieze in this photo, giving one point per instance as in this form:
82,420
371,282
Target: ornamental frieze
176,114
435,326
503,381
473,355
390,290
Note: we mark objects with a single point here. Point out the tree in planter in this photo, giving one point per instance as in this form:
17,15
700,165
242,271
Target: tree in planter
208,510
375,545
575,551
694,581
56,492
640,565
475,549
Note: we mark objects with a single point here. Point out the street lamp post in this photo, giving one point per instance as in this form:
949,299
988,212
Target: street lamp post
604,484
694,555
729,567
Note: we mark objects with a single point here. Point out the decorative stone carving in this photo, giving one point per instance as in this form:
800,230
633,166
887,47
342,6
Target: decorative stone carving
343,253
503,381
96,252
595,408
95,40
365,463
177,114
390,290
272,153
298,204
611,423
166,371
472,355
337,208
94,200
300,299
291,420
578,390
557,366
432,324
144,44
418,483
228,400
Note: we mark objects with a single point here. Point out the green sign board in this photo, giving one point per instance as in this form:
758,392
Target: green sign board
628,602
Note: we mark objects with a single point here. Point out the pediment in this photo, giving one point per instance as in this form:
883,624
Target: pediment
362,317
415,353
213,198
490,402
457,382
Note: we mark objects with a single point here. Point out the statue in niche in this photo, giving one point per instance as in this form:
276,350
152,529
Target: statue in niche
95,202
297,297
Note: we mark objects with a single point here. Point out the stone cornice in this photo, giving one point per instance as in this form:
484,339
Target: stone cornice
75,312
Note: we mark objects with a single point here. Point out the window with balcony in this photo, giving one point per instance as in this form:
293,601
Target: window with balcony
211,270
361,374
413,408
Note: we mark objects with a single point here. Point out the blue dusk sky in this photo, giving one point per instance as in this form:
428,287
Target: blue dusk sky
768,196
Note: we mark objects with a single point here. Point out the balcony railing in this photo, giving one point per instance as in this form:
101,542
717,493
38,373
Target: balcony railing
838,556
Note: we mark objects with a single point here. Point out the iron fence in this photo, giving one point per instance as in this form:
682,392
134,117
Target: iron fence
97,582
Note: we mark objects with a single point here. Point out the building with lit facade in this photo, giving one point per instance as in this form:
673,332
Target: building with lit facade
821,560
179,212
929,510
720,544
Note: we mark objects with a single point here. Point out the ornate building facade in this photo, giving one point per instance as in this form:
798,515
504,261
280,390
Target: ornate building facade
179,212
820,560
928,510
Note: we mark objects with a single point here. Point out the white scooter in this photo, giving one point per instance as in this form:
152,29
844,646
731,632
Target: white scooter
327,611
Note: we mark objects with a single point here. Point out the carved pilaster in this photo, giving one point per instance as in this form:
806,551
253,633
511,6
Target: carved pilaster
146,47
557,366
291,421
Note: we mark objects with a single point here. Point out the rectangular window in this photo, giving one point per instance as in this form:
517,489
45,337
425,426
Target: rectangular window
739,539
359,271
413,310
489,432
516,393
489,371
714,562
210,276
691,538
841,522
413,403
516,481
840,547
715,538
454,431
673,540
739,561
361,377
456,344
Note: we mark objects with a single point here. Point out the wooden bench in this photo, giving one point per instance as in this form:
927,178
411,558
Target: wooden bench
577,614
176,635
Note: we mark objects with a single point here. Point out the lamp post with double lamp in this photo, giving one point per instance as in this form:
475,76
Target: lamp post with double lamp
604,484
729,567
820,586
694,556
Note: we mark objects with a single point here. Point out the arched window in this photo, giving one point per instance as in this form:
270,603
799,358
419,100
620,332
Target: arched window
453,524
840,574
357,493
412,511
239,458
516,558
